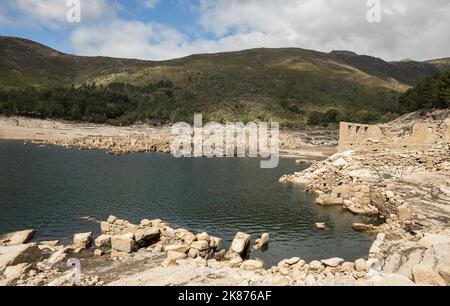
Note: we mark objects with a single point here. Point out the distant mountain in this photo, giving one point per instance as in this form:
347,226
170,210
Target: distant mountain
408,71
27,63
285,84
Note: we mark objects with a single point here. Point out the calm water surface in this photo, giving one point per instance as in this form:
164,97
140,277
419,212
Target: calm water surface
50,189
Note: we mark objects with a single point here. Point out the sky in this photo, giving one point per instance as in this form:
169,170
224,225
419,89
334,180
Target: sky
165,29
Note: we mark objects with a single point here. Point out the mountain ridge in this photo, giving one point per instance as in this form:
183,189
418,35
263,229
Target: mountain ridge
287,84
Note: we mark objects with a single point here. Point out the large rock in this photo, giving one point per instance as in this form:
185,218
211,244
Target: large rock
203,237
17,254
216,243
360,265
83,240
103,241
424,275
251,265
201,245
58,256
105,227
172,258
181,248
235,262
292,261
13,273
263,241
240,243
332,262
147,234
360,227
111,219
316,266
122,243
16,238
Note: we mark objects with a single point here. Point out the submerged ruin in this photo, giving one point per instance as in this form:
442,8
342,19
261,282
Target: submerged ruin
406,133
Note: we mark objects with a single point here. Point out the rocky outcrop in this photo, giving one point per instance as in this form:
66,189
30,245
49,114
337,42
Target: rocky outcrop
82,241
16,238
18,254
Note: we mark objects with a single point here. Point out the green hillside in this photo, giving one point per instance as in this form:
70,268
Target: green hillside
293,86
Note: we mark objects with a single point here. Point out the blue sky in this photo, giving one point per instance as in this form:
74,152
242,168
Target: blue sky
162,29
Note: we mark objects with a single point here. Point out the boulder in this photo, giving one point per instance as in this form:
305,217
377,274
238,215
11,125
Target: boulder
348,267
189,238
58,256
98,252
332,262
252,265
16,238
321,226
316,266
389,194
220,255
103,241
216,243
146,223
201,245
122,243
17,254
360,265
235,262
193,253
360,227
105,227
203,237
111,219
83,240
292,261
263,241
15,272
425,275
147,234
181,248
240,243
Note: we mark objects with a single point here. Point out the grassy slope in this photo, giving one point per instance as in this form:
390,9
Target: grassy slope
231,85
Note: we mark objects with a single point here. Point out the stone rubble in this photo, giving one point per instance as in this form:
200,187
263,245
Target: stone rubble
408,189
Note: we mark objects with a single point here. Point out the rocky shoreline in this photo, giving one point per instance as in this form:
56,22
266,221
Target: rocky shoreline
310,144
410,190
152,253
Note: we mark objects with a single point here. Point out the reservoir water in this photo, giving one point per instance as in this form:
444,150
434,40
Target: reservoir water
51,189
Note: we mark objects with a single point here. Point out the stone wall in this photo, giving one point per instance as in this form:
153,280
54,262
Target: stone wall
418,136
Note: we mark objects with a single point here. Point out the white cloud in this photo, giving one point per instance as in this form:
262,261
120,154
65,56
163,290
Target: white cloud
129,39
53,13
409,28
150,4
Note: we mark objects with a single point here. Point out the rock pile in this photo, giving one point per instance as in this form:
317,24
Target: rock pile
119,144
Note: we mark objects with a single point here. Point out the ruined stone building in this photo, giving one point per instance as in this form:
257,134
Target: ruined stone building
411,132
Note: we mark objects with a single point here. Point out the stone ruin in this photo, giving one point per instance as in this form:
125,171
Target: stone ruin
409,133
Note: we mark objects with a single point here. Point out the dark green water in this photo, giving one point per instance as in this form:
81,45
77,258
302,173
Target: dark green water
50,189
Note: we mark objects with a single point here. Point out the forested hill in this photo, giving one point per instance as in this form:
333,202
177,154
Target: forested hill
293,86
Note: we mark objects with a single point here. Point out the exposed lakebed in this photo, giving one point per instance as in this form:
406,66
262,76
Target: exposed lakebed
51,189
